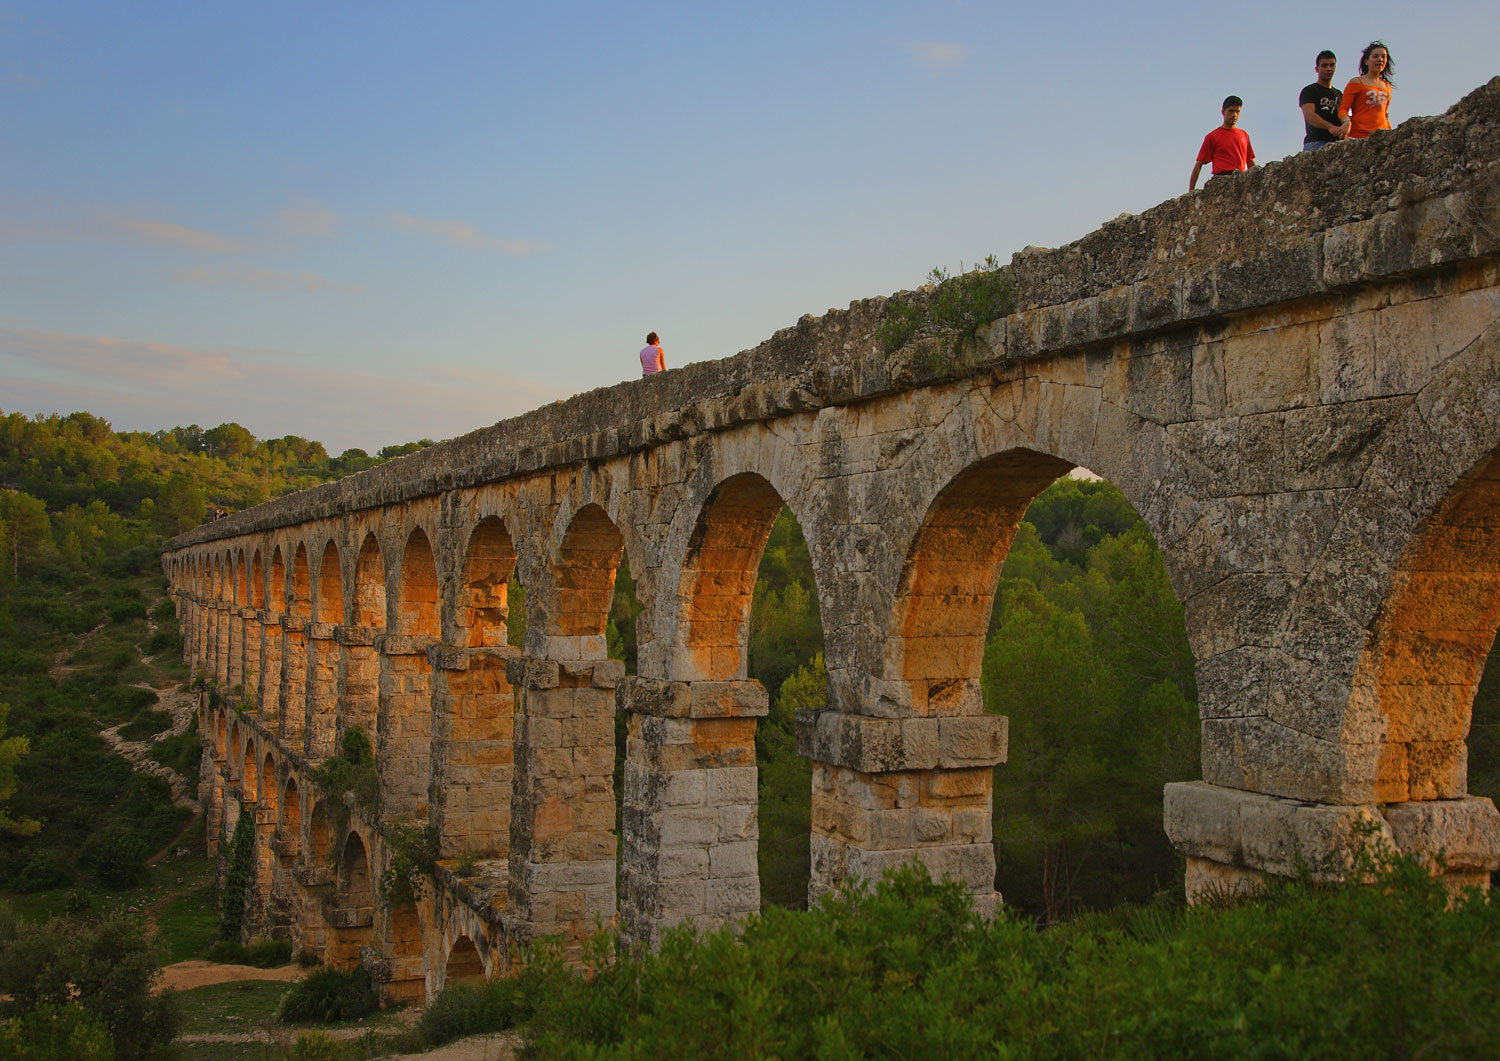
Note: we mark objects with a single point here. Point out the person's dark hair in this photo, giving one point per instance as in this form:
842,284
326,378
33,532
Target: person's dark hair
1232,101
652,339
1364,61
1325,54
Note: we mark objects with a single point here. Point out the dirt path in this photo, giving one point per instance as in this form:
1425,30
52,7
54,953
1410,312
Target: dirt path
498,1046
184,976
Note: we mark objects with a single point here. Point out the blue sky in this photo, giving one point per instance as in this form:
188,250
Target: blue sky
367,223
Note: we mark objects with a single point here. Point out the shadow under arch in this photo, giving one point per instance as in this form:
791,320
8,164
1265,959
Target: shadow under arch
946,591
1426,651
323,657
464,964
717,585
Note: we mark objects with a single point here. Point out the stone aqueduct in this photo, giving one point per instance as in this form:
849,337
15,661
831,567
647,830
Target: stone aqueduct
1294,376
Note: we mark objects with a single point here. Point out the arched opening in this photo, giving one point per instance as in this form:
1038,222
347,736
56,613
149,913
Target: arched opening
250,784
268,795
221,740
1427,651
488,565
1085,652
719,575
241,580
320,834
417,598
403,746
277,588
301,587
289,828
354,890
465,966
369,586
359,666
785,654
257,582
330,596
474,708
585,574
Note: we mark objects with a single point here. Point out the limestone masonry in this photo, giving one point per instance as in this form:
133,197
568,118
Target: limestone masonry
1293,375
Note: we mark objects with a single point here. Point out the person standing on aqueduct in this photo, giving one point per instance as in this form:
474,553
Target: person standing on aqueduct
1320,106
1227,147
652,359
1367,98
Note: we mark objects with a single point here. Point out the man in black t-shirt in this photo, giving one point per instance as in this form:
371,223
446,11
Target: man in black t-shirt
1320,107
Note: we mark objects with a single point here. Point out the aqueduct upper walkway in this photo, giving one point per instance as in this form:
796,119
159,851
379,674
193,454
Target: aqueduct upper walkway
1294,376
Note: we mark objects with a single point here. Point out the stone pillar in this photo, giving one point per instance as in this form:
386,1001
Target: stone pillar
213,807
293,681
204,641
187,612
1234,839
403,726
473,710
258,892
689,819
251,674
311,930
322,690
234,675
270,669
887,790
221,647
359,680
562,828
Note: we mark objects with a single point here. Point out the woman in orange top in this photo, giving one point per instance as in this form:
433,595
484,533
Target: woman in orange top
1367,98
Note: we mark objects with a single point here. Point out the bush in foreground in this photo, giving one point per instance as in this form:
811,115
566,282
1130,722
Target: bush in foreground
905,969
329,995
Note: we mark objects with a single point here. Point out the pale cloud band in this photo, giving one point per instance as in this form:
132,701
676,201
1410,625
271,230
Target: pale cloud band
938,56
461,234
148,386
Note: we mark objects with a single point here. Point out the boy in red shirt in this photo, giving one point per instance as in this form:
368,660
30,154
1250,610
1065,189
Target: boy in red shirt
1226,147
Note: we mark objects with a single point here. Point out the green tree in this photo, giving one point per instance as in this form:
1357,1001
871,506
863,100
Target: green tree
12,751
181,506
24,526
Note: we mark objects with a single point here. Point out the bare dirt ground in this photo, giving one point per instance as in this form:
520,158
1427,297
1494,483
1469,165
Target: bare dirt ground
184,976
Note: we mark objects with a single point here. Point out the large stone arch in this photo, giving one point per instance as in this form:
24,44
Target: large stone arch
289,822
276,590
359,664
353,913
250,779
257,581
294,646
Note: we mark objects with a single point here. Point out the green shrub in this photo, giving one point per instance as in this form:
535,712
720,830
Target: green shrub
105,968
116,857
120,702
44,869
905,969
955,311
182,752
47,1032
317,1046
261,953
329,995
471,1009
239,854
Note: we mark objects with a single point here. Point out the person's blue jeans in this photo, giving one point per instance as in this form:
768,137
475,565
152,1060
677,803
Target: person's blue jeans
1313,145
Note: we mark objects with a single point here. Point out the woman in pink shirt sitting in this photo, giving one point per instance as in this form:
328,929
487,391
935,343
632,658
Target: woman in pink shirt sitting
652,359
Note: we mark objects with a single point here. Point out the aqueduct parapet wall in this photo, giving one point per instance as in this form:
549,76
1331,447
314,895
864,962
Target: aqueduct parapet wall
1294,376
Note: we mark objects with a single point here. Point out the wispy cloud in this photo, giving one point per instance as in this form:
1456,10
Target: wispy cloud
145,386
461,234
128,363
276,281
104,227
166,234
306,218
938,56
